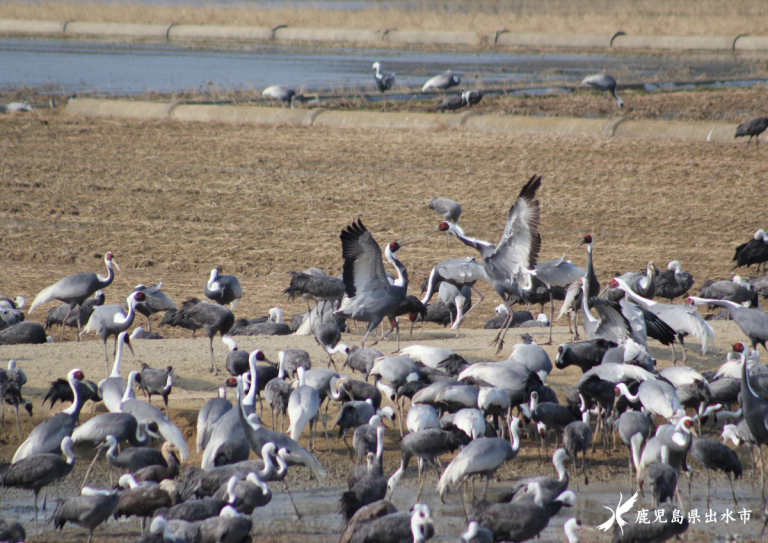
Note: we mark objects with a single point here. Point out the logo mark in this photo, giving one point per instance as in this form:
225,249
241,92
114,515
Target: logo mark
616,514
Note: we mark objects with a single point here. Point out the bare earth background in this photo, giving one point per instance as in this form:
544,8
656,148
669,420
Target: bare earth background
682,17
173,200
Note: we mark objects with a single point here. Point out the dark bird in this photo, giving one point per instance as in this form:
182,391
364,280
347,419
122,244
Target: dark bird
673,282
139,333
11,382
755,251
157,473
245,495
88,510
12,531
61,391
752,128
509,264
27,332
143,500
39,470
156,381
223,289
472,97
654,532
714,455
384,80
75,289
413,526
371,488
316,286
185,322
584,354
56,314
134,458
451,103
210,317
371,297
211,412
156,301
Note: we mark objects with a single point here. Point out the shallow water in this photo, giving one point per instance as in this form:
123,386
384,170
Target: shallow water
67,66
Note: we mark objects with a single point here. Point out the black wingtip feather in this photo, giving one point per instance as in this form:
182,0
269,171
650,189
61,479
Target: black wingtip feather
349,250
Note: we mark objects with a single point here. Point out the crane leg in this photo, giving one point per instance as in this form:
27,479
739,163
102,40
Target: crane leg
503,331
480,295
64,324
551,316
90,467
730,481
287,490
213,362
18,424
747,147
36,493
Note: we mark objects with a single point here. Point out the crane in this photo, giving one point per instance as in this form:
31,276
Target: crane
384,81
755,251
223,289
442,82
557,273
328,335
752,128
370,296
673,282
283,94
110,320
510,264
459,272
56,314
88,510
605,83
156,301
210,413
112,389
752,322
317,286
211,317
755,415
75,289
303,407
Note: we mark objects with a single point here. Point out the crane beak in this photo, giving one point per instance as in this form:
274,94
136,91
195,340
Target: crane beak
114,263
127,342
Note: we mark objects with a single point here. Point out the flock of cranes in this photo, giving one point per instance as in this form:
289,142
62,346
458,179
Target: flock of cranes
660,416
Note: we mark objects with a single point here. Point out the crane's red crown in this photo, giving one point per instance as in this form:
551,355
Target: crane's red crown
587,239
231,382
738,347
688,423
260,356
444,226
79,375
613,283
394,246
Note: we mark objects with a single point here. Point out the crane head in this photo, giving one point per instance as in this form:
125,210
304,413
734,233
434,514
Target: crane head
109,259
444,226
231,382
79,375
738,347
586,241
394,246
613,283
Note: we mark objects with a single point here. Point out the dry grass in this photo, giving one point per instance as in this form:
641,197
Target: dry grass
660,17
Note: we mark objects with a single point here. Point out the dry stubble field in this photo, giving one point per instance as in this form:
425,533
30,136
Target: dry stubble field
172,200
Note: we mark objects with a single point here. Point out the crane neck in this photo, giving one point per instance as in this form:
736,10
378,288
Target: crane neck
250,399
585,304
129,395
106,281
269,466
118,356
112,453
74,409
141,435
560,466
282,464
335,392
430,286
212,284
515,436
128,318
636,443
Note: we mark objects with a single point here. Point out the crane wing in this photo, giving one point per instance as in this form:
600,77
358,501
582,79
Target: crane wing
363,268
613,324
519,246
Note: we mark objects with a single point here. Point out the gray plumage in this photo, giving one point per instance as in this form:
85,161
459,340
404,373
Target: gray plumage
140,333
362,360
156,472
207,417
352,389
156,301
27,332
277,393
755,251
753,323
247,495
712,454
291,359
328,335
442,82
371,488
111,320
75,289
472,97
677,440
85,511
156,381
283,94
9,315
393,528
223,289
228,527
661,479
384,80
516,521
455,397
12,531
557,273
508,265
320,287
736,290
371,297
633,423
752,128
364,438
210,317
121,425
451,103
584,354
673,282
226,429
654,532
577,438
242,327
604,83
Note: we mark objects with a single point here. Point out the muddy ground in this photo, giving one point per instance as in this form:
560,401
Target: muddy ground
173,200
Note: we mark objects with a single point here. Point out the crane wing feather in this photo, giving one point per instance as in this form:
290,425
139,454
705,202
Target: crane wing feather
363,267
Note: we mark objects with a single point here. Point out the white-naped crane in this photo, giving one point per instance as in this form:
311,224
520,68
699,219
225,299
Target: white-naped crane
577,438
149,413
39,470
459,272
223,289
110,320
370,296
48,435
442,82
155,302
510,264
75,289
207,417
673,282
397,371
682,319
676,438
611,325
633,426
112,389
755,415
752,322
605,83
755,251
210,317
303,408
557,273
88,510
482,456
328,336
656,396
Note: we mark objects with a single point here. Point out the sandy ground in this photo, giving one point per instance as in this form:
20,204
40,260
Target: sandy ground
172,200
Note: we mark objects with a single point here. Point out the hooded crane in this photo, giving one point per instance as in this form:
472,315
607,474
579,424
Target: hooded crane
752,322
483,456
37,471
442,82
755,251
510,264
370,295
459,272
11,382
88,510
317,286
752,128
75,289
673,282
283,94
211,317
56,314
48,436
157,381
223,289
110,320
604,83
384,81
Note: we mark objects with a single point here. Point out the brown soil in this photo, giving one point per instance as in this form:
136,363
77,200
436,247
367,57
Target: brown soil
173,200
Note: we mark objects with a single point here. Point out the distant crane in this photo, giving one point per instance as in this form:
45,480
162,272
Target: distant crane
223,289
557,273
509,265
448,209
752,322
283,94
317,286
384,81
75,289
752,128
211,317
370,296
451,103
673,282
755,251
442,82
605,83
